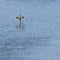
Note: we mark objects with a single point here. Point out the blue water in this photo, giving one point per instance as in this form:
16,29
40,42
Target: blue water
37,37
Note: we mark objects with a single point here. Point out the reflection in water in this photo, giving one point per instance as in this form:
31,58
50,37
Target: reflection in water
20,26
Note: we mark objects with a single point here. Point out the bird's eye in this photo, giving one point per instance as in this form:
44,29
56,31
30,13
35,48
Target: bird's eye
23,17
17,17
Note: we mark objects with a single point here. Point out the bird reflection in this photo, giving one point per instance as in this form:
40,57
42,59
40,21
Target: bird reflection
20,26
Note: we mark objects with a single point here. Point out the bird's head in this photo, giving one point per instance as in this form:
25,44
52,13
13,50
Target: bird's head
17,18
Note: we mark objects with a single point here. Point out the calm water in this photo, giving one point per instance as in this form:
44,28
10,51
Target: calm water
37,37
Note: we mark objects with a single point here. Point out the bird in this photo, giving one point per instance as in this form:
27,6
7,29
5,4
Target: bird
20,18
17,18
